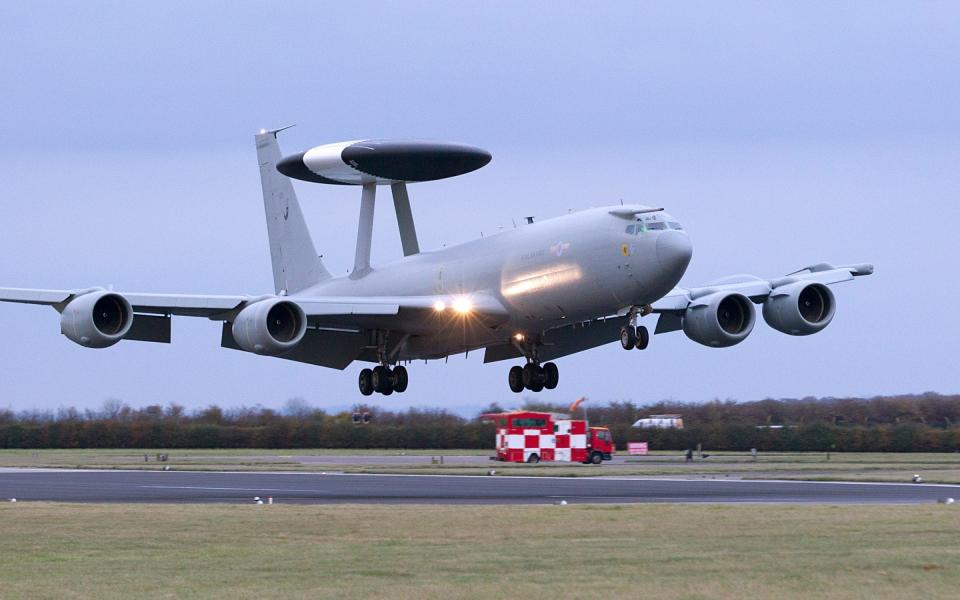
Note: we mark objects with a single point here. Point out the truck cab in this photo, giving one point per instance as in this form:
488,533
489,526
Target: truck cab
600,447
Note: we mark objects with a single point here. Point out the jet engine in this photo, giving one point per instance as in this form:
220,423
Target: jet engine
720,320
799,308
97,320
270,327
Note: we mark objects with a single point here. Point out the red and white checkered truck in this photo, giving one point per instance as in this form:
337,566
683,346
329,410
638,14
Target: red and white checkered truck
529,436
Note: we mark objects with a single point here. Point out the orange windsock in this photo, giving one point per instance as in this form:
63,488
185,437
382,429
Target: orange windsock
576,403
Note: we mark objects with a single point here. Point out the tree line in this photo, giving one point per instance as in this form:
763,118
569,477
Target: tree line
924,422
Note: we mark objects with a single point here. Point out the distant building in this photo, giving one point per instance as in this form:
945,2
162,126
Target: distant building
661,422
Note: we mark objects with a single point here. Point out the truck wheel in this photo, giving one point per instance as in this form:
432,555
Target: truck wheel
534,458
596,458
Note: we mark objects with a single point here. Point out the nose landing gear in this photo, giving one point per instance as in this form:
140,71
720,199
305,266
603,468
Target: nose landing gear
633,336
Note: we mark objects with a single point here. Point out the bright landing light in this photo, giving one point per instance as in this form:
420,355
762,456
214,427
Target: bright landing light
462,305
439,306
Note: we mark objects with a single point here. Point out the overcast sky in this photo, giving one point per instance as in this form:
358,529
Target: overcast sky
779,135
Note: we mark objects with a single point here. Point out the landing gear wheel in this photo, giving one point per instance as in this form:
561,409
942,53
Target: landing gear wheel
551,376
366,382
643,338
381,380
529,375
534,459
537,385
515,379
628,337
400,379
533,377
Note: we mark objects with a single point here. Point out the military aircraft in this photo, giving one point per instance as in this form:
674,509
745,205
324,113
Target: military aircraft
535,293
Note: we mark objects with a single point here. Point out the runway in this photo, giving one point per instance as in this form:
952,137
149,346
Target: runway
324,488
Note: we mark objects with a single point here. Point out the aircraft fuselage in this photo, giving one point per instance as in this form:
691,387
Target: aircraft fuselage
547,274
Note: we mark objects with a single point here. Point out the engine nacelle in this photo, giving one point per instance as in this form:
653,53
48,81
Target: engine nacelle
720,320
270,327
800,308
97,319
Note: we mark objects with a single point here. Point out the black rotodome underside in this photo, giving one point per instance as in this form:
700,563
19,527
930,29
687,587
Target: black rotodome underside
292,166
414,160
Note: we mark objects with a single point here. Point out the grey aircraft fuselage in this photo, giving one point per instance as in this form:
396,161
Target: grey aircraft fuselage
548,274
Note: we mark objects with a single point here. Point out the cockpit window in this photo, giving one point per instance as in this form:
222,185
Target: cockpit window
656,225
641,227
630,229
675,225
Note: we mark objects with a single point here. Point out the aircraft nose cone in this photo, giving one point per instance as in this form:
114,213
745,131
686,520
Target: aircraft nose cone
674,251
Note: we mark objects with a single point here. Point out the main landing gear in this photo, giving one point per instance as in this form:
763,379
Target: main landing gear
533,377
383,380
632,336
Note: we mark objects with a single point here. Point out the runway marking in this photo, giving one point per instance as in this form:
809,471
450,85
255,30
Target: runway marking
227,489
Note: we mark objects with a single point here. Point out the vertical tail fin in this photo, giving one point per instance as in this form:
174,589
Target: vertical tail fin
296,265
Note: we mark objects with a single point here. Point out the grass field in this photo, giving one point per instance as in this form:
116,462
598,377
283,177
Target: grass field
654,551
933,467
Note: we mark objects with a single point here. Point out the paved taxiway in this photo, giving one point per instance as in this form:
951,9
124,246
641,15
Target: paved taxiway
316,488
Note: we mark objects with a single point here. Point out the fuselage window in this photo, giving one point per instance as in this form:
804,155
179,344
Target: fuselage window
675,225
630,229
656,226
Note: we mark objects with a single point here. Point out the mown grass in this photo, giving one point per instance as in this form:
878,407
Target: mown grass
655,551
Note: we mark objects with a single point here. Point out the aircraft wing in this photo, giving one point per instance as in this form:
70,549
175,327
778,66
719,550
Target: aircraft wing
163,304
316,308
671,306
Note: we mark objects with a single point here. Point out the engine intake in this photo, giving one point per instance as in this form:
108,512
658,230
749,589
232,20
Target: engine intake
800,308
270,327
720,320
97,319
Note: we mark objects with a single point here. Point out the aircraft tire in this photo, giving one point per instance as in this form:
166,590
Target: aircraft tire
529,375
628,337
643,338
551,376
381,380
536,383
400,379
515,379
366,382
